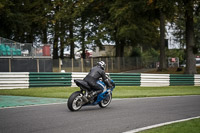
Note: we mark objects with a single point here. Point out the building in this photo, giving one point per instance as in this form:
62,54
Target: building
105,50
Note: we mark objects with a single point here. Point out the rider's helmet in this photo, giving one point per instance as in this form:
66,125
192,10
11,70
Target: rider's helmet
102,64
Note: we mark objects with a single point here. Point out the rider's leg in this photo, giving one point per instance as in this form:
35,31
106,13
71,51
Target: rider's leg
97,90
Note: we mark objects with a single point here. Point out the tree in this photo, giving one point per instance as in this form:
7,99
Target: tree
190,45
6,19
131,25
56,29
189,9
25,20
165,11
163,64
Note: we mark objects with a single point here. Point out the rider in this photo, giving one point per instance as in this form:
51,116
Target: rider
94,75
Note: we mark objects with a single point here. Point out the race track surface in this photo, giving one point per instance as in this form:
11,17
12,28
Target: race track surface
118,117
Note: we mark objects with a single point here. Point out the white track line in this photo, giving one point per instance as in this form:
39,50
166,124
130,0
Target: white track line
159,125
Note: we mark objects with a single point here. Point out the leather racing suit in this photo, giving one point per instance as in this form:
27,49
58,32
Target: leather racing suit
94,75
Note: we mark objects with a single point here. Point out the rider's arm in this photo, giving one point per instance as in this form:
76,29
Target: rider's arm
103,75
106,81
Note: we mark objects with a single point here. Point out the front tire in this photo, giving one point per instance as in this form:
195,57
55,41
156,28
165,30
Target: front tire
105,102
75,101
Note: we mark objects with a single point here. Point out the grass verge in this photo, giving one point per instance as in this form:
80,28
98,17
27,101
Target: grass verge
119,91
129,92
191,126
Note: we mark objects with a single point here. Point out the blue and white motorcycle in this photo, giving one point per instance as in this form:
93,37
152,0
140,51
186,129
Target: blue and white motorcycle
85,96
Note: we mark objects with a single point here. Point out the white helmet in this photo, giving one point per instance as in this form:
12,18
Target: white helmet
102,64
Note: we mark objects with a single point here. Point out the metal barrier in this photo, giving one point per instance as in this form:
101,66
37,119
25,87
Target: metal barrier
43,79
197,80
181,79
14,80
114,64
154,79
49,79
121,79
126,79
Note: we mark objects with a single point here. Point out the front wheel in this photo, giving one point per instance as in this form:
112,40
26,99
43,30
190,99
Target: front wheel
75,101
105,102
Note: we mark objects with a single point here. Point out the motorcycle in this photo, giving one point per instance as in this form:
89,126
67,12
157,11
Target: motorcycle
86,96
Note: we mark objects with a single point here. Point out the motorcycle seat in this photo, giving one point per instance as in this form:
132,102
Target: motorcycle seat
82,83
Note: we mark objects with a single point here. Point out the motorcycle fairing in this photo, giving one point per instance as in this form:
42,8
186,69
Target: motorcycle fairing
102,85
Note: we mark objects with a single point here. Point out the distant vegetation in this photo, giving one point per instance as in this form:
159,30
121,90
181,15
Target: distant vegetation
90,23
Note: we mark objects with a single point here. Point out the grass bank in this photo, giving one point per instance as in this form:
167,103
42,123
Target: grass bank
129,92
119,91
191,126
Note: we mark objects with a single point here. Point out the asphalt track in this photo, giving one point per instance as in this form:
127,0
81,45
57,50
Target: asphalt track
118,117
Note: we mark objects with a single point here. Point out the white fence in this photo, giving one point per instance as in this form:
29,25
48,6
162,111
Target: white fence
14,80
155,79
197,80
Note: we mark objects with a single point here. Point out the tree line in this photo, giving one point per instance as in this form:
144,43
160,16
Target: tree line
90,23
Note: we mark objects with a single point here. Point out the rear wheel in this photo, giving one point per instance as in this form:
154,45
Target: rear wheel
105,102
75,101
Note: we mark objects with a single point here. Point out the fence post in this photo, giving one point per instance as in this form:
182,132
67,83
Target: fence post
137,63
60,63
107,63
123,67
92,62
112,60
38,66
9,62
81,64
72,64
118,63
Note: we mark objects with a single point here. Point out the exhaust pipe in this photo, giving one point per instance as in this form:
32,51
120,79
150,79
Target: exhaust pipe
85,99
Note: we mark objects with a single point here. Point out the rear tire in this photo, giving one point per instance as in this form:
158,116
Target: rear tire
75,101
105,102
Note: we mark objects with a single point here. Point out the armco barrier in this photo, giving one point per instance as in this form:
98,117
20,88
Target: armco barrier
181,79
121,79
49,79
197,80
126,79
14,80
154,79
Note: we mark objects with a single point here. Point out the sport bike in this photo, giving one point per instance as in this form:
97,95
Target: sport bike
86,95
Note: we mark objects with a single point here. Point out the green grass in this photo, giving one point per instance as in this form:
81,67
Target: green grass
119,91
52,92
129,92
191,126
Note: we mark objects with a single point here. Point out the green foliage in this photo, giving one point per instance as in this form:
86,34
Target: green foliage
150,55
136,52
131,22
179,26
177,53
89,23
